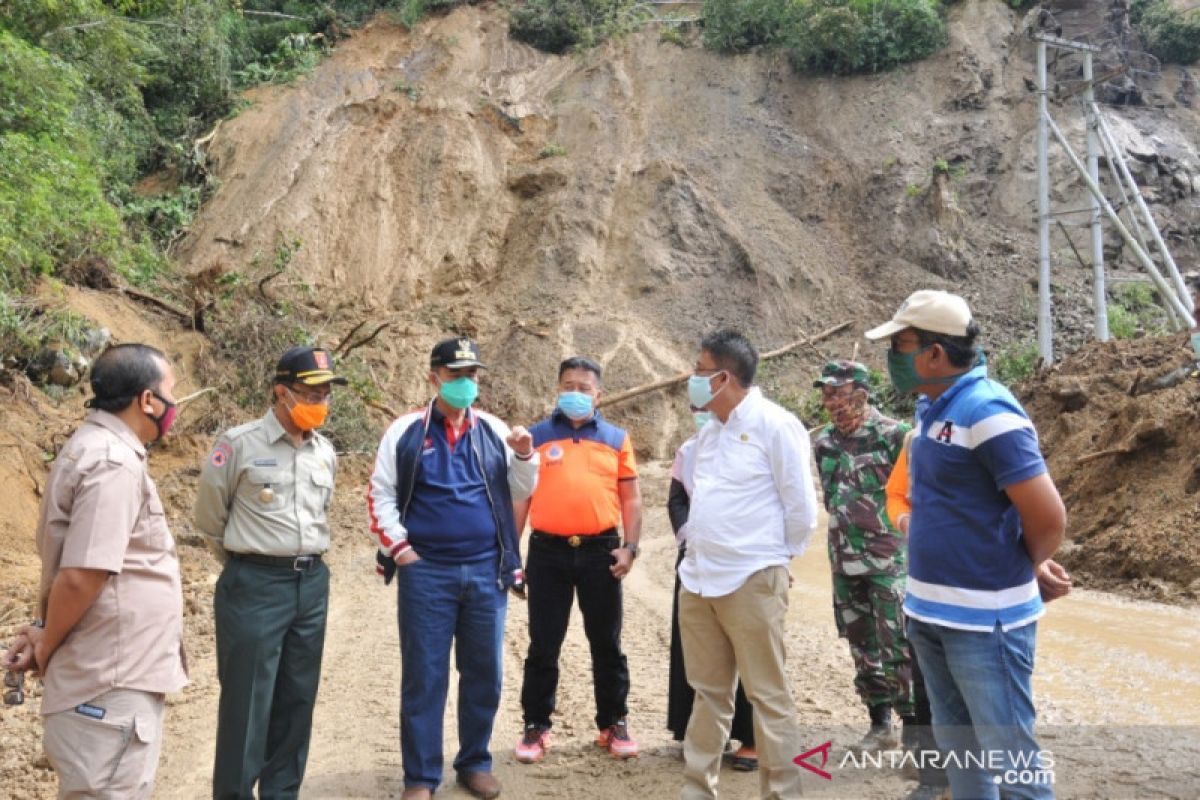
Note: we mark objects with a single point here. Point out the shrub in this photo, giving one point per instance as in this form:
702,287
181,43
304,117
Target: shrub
1169,33
848,36
1015,363
1134,310
737,25
556,26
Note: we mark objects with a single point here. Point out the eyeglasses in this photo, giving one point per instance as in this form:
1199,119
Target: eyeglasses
14,682
315,398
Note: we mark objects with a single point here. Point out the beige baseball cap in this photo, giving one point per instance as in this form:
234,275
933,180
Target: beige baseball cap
928,310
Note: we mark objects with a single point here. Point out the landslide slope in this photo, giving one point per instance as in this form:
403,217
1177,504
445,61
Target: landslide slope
621,201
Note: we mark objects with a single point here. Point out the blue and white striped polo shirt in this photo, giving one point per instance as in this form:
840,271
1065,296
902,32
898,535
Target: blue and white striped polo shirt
968,568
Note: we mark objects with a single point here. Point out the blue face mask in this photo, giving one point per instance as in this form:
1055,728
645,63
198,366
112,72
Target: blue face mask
700,391
701,418
576,405
460,392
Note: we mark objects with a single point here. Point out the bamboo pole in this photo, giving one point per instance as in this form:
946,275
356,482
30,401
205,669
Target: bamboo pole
675,380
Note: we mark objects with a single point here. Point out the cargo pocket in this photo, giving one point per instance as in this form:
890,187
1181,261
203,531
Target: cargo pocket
85,752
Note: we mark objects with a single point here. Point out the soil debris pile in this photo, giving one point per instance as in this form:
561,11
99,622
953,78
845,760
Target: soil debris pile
1118,424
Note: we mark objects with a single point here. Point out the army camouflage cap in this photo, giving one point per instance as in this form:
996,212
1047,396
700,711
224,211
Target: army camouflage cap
843,371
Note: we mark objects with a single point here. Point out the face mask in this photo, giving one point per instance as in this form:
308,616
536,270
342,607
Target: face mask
847,413
903,372
165,420
701,418
460,392
308,416
576,405
700,391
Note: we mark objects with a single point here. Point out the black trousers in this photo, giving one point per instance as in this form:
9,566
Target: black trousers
680,694
270,625
556,573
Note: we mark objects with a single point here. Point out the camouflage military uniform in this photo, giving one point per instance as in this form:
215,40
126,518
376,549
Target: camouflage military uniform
867,555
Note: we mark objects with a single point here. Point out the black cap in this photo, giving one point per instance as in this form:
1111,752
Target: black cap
455,354
311,366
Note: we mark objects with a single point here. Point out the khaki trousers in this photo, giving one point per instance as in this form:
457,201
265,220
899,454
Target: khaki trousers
113,757
741,633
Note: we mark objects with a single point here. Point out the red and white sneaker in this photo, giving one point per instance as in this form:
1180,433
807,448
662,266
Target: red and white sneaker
617,741
533,745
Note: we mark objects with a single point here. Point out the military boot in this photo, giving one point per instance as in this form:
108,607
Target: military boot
881,736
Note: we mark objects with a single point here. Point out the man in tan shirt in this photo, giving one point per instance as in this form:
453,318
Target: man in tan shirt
261,505
110,595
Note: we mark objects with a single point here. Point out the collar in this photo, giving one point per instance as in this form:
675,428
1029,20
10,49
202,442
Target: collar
436,415
114,424
969,378
742,411
273,427
593,421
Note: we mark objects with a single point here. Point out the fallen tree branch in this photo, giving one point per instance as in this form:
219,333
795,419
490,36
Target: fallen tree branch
375,404
349,336
1123,450
272,15
194,395
148,299
666,383
262,286
368,338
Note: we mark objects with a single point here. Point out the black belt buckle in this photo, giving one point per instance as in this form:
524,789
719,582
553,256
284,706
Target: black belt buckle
303,563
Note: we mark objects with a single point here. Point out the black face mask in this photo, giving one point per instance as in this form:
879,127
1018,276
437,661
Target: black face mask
166,419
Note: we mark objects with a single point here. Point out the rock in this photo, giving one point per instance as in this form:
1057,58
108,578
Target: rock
95,341
1071,395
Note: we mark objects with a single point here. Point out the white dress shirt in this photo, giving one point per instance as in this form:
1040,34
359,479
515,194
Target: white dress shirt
753,504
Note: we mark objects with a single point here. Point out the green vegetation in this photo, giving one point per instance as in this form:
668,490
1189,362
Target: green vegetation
1169,32
558,25
1015,363
95,95
552,150
1134,310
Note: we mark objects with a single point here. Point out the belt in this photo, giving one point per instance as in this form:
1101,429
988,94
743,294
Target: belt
577,540
298,563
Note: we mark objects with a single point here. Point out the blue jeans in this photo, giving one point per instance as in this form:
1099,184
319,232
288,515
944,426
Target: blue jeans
440,604
983,714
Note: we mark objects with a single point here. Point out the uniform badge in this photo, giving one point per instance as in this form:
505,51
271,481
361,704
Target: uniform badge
744,437
266,495
554,453
221,454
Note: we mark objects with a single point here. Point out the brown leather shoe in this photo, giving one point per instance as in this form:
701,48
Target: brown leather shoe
481,784
417,793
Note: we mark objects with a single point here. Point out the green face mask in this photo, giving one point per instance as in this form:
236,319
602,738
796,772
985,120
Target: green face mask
903,372
460,392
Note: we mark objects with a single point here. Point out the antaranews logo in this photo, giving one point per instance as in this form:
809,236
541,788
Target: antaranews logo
1006,768
802,760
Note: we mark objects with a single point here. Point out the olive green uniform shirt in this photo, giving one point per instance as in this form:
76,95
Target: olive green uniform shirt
259,493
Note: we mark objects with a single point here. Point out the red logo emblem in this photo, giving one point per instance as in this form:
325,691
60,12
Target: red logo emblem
823,749
322,359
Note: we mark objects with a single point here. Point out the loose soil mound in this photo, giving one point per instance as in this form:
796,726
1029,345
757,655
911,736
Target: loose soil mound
1124,455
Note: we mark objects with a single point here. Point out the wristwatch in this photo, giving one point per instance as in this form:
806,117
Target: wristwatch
632,547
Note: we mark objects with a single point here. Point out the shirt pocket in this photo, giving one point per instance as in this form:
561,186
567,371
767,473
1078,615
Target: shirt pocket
151,529
322,489
266,489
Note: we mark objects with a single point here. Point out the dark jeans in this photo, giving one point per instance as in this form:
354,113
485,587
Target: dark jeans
556,572
442,605
270,625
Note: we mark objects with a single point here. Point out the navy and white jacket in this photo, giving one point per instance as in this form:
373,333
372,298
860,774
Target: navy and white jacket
389,493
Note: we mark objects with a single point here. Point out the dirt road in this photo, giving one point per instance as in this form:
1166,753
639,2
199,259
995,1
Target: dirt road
1117,686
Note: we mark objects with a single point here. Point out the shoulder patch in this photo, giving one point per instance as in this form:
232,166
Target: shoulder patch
221,454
